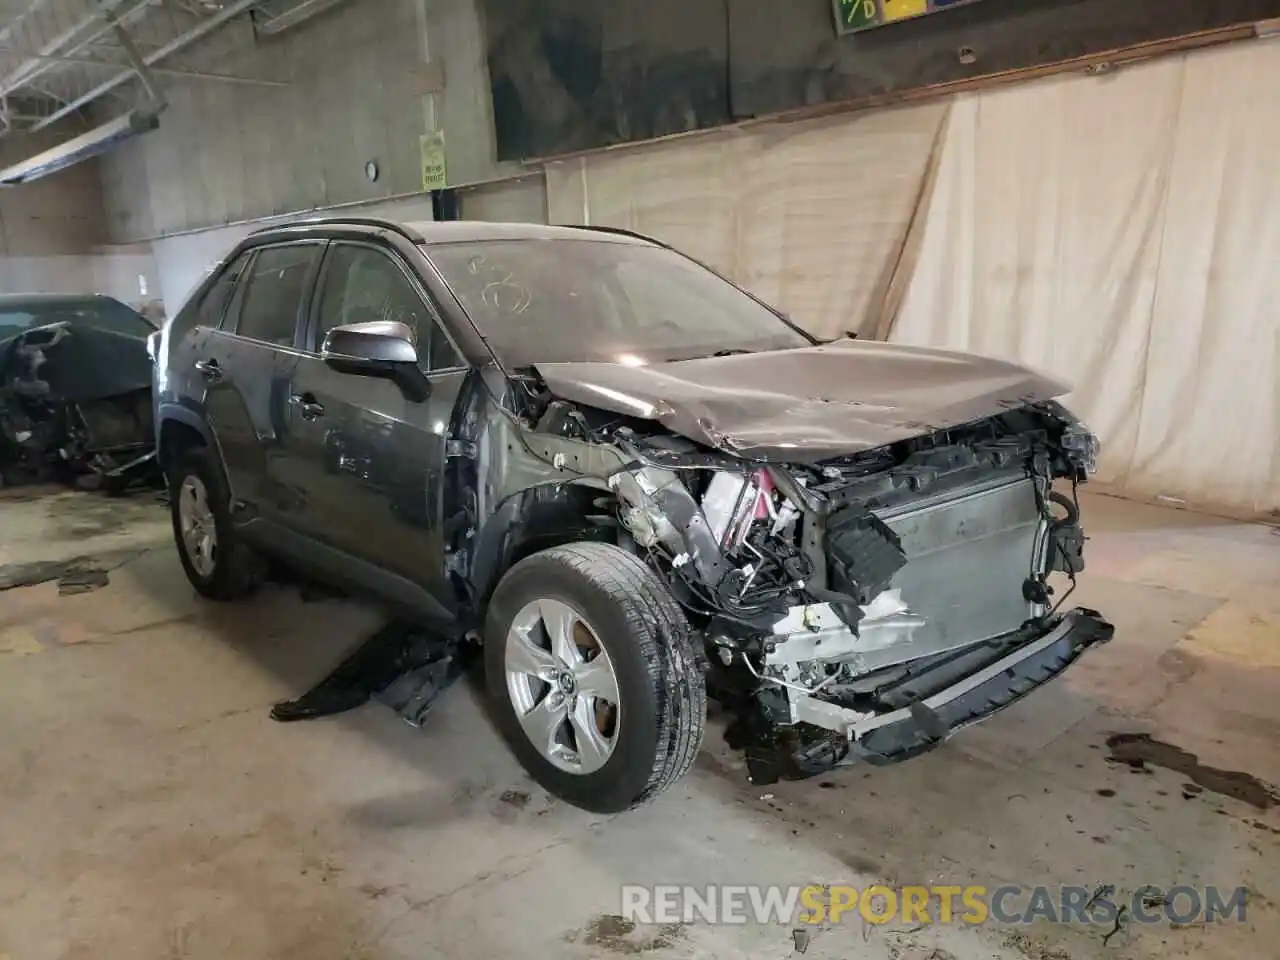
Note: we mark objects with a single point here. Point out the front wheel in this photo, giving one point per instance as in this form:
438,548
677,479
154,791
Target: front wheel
594,677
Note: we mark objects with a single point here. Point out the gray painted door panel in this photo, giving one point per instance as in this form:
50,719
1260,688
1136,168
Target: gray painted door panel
368,472
246,410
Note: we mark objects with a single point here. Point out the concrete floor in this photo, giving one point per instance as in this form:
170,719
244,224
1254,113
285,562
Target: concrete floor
149,808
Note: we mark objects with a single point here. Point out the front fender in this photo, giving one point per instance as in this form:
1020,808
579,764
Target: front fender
534,519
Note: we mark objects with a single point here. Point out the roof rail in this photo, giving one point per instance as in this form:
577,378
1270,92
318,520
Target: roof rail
412,235
621,231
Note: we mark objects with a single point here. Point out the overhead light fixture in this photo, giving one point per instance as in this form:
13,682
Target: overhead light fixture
1267,28
91,144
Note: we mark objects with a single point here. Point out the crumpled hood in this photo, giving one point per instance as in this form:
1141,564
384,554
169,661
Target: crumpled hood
809,404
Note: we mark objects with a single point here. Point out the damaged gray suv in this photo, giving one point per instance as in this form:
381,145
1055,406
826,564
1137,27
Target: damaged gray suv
634,485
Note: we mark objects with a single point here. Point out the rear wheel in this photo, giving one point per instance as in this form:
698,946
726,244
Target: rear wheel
594,676
216,562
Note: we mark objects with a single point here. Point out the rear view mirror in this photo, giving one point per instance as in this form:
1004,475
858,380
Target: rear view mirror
378,348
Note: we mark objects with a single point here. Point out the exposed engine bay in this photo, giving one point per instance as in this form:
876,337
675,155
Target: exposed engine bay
864,605
75,393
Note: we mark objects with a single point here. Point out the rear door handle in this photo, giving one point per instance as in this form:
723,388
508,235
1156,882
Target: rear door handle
209,369
307,406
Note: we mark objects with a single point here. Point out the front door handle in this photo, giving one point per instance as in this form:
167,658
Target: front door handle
307,406
209,369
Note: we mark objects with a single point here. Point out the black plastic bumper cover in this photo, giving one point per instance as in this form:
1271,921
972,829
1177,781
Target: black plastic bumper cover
927,723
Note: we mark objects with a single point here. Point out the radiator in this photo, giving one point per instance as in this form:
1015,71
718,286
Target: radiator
968,554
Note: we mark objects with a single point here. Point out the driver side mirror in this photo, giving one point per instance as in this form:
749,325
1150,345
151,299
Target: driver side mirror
377,348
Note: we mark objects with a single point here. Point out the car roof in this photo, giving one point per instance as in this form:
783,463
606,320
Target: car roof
448,231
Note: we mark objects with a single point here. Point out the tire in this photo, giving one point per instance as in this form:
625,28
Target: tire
661,712
235,571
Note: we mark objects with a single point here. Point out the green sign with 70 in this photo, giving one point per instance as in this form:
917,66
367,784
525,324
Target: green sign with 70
855,15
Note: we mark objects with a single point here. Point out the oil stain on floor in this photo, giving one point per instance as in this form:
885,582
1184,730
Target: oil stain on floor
620,936
1138,749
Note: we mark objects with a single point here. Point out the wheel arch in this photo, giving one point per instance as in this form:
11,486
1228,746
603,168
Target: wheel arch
536,519
179,429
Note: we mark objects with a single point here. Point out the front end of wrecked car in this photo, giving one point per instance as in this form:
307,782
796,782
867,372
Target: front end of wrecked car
874,604
875,542
75,398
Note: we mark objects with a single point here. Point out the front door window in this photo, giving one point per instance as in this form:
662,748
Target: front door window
361,285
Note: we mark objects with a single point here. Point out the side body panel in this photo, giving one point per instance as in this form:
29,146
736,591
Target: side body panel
246,411
367,475
364,462
247,379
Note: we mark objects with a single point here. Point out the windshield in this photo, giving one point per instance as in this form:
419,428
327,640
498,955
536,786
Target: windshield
549,300
99,313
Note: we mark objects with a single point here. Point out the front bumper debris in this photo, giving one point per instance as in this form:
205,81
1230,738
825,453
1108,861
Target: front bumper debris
402,665
934,703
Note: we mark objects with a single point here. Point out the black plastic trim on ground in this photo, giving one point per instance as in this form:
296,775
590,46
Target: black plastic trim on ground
400,665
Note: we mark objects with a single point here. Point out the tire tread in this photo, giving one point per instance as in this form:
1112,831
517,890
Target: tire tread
675,666
666,642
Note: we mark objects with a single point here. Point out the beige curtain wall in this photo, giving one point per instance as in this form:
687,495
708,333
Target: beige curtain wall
808,216
1120,231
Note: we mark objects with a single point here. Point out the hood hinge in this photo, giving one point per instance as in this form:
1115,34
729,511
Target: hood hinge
459,449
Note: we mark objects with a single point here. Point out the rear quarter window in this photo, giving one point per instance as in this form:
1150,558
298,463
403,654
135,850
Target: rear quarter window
208,306
213,307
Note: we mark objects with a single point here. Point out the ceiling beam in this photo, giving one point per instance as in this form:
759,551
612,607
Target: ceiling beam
163,71
140,67
31,68
304,10
12,24
180,42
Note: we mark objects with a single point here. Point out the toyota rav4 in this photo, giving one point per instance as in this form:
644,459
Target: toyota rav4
634,484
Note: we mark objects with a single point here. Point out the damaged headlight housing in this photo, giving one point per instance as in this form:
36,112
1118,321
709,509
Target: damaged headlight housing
1081,447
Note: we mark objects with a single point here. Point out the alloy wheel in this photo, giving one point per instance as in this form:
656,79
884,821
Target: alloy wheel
195,521
562,686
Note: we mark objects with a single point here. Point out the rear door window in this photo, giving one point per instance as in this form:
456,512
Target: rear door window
273,291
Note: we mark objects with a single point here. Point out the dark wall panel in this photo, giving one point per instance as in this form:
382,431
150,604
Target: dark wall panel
573,74
577,74
781,63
